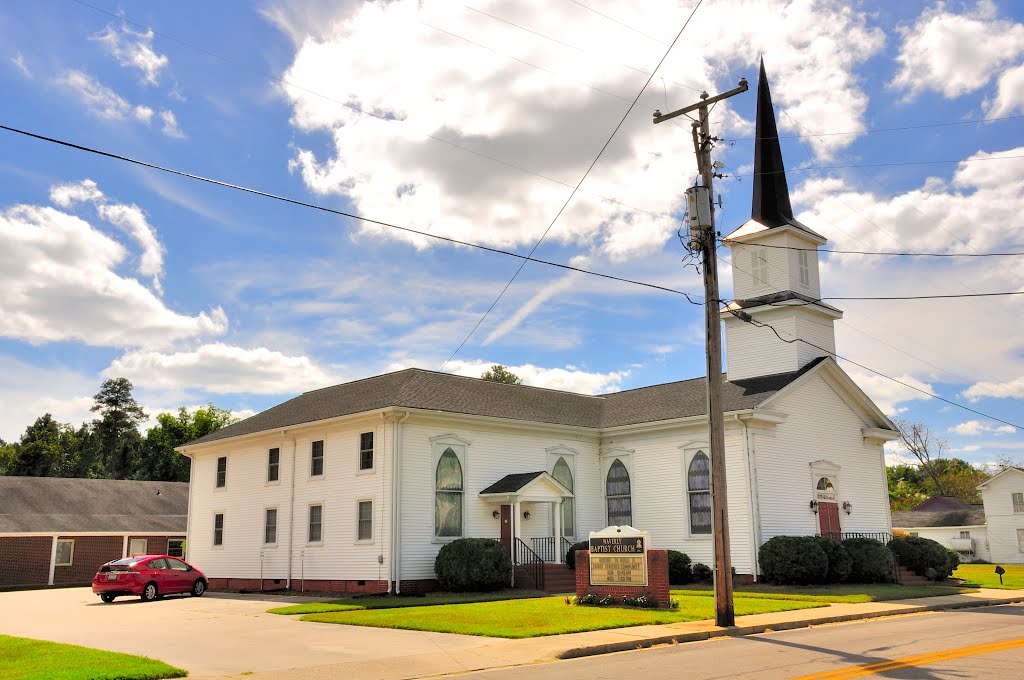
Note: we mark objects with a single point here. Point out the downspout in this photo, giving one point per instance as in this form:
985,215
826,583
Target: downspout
755,498
396,502
291,514
188,516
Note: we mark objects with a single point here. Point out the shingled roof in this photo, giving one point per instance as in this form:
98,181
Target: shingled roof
416,388
972,515
58,505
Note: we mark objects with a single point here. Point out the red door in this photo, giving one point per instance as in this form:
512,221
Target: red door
828,520
506,528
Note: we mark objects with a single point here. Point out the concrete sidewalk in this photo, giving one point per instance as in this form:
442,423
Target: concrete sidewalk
500,653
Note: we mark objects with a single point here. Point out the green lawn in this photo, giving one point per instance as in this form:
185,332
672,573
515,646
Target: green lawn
984,576
836,592
396,602
543,616
25,659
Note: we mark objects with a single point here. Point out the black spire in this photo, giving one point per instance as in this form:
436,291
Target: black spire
771,205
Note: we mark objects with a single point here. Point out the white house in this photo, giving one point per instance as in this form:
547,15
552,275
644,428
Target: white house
356,487
993,531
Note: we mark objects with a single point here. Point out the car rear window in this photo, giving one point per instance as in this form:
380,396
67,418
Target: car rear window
125,564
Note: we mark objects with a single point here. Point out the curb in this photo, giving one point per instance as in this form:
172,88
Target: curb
740,631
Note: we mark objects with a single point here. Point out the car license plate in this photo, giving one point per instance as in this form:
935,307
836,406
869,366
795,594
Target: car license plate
111,576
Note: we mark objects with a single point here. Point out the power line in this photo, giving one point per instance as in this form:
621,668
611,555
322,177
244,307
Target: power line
373,114
578,184
760,324
342,213
884,252
900,128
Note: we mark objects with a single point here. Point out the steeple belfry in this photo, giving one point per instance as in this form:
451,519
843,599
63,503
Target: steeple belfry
775,270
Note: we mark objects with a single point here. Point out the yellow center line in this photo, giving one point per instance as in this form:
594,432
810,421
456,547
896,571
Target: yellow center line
917,660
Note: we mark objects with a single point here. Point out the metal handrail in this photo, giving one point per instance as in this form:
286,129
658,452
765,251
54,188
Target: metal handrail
531,563
544,546
880,536
565,545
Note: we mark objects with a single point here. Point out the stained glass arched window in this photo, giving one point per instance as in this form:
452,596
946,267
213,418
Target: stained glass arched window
563,475
448,491
698,488
618,495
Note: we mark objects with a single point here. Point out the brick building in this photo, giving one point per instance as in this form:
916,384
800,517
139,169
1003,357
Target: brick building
58,531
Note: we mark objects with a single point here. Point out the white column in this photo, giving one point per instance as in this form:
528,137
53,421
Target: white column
124,546
557,506
53,559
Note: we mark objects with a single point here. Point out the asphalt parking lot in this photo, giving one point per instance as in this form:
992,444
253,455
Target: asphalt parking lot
213,635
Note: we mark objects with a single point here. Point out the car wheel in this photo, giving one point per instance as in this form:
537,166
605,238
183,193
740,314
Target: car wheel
107,597
149,593
198,588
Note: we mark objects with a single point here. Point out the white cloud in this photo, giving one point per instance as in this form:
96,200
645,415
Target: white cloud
222,369
170,126
956,53
1001,390
976,427
60,283
887,394
19,63
569,379
1009,97
100,99
135,50
29,391
66,195
543,295
429,85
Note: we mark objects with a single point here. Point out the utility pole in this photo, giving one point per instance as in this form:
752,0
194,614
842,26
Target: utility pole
702,237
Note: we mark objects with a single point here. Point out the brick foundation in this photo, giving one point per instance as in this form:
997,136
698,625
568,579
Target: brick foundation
354,587
657,579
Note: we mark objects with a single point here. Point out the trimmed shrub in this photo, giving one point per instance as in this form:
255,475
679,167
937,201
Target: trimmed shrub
679,570
872,561
839,562
570,554
702,573
797,560
923,556
473,564
954,561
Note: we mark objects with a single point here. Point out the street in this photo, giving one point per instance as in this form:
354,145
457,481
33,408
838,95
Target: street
975,643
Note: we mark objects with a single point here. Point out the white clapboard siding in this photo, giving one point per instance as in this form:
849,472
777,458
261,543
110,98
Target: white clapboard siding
492,453
945,536
660,502
820,426
1002,521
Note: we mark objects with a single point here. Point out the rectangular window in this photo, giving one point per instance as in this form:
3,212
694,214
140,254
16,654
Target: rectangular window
218,529
366,451
803,258
270,526
1018,502
759,265
138,546
65,553
176,547
222,471
965,534
273,465
365,521
316,459
316,523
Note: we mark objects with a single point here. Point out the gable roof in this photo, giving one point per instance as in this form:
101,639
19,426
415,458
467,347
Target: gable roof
58,505
936,503
1005,471
972,515
512,483
415,388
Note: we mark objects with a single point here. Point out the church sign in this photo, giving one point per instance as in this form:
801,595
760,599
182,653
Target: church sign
618,557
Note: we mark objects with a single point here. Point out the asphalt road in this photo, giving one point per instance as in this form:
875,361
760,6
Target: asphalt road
973,643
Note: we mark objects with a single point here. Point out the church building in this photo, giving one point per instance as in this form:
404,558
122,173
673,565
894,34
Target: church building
355,488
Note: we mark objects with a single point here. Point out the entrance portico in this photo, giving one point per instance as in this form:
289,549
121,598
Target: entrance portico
510,494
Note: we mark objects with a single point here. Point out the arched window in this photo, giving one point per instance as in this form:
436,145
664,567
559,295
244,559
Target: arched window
563,475
448,495
826,490
617,491
698,488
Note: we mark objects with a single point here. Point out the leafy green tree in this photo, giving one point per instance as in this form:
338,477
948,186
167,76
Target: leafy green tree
158,460
8,457
499,373
117,428
38,447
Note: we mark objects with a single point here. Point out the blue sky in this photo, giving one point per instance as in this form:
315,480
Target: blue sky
475,122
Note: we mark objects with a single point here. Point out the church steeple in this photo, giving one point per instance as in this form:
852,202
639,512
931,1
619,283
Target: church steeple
775,272
770,205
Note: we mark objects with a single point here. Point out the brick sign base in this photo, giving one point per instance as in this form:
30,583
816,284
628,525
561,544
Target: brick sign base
657,579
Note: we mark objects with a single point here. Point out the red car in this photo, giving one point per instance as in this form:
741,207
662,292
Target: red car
149,577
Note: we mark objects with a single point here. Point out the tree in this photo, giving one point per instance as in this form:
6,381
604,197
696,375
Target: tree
926,448
116,431
499,373
158,460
